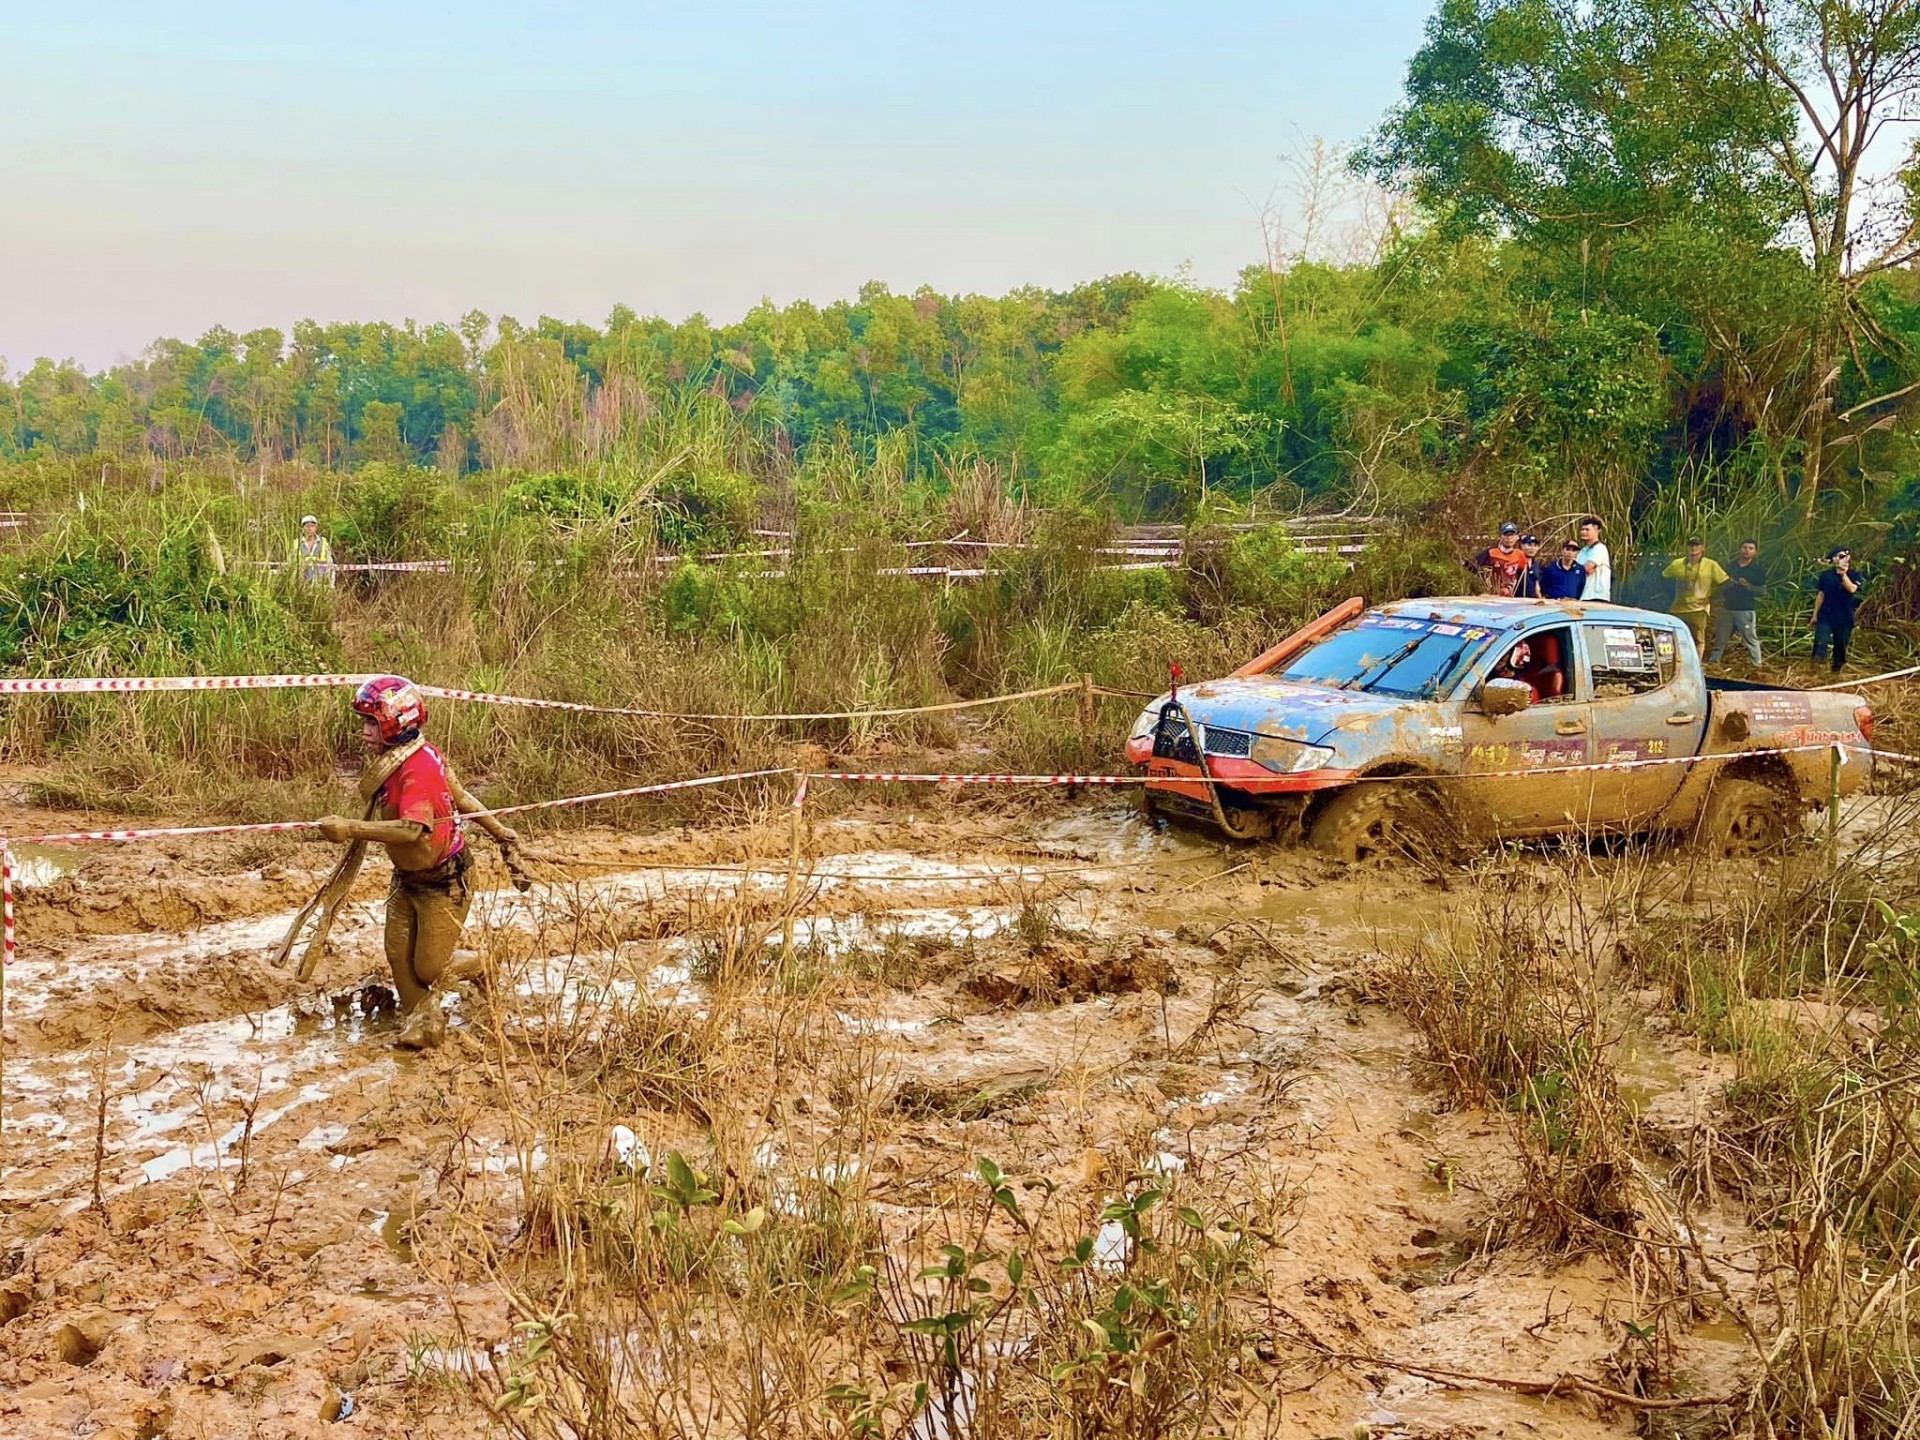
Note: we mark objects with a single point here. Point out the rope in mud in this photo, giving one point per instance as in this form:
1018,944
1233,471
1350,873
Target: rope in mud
956,878
268,827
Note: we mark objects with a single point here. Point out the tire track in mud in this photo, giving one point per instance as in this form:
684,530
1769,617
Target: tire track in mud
1300,1089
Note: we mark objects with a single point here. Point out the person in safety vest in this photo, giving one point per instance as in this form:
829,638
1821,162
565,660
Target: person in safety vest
312,555
414,808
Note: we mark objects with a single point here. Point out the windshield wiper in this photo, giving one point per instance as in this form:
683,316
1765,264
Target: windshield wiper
1387,664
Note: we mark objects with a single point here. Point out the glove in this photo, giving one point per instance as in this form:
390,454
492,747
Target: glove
336,830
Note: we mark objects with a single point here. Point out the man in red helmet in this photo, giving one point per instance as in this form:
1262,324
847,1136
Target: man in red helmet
414,805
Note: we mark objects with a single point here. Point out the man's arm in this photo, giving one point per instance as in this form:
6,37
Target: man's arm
339,830
1672,572
1819,599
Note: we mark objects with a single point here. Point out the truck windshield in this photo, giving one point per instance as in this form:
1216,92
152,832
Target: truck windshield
1388,655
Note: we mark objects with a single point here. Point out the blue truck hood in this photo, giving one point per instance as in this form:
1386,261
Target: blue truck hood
1308,713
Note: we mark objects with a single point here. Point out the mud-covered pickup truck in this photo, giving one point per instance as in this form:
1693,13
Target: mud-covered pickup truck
1328,734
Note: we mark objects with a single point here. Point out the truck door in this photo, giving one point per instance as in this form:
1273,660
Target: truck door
1649,703
1551,734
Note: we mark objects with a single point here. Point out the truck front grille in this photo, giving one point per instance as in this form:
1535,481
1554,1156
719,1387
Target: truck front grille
1171,740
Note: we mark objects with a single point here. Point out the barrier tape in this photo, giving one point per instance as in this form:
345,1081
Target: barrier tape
178,832
892,779
130,684
431,567
136,684
1246,783
1871,679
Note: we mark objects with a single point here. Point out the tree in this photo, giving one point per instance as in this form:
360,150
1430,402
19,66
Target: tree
1594,130
1852,70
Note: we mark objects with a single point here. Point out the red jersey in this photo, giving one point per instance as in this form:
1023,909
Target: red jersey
1503,568
419,791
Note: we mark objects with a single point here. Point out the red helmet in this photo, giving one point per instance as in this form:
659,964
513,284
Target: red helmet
394,705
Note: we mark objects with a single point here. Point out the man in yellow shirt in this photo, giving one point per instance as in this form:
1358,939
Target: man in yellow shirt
1694,581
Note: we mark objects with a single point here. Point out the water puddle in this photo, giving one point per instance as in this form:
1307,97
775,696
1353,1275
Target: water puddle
36,865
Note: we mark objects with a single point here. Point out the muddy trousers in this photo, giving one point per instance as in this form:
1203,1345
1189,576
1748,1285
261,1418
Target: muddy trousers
423,927
1696,621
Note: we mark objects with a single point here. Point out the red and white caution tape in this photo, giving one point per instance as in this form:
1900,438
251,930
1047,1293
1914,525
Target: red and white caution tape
891,779
427,567
6,903
167,832
180,832
139,684
135,684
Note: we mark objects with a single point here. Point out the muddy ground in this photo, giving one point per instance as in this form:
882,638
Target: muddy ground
214,1179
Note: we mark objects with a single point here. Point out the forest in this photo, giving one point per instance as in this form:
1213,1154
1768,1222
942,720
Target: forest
1653,259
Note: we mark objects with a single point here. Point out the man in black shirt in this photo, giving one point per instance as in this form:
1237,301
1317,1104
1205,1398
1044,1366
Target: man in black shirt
1736,604
1836,598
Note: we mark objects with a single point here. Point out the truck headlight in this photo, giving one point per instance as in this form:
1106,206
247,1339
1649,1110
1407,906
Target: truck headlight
1288,756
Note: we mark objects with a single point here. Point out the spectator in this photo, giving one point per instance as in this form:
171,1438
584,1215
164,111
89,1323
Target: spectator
1694,580
1595,560
312,556
1529,587
1501,565
1835,601
1736,607
1562,578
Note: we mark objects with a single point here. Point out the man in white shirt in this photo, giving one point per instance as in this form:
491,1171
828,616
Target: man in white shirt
1594,559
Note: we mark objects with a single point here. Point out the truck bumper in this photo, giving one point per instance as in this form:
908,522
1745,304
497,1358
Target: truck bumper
1241,782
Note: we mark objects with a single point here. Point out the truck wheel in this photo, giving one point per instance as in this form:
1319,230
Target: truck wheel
1742,818
1366,822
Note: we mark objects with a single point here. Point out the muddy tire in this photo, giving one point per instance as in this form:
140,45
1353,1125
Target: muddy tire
1742,819
1372,822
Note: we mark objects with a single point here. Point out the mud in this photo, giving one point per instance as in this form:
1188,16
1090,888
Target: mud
225,1197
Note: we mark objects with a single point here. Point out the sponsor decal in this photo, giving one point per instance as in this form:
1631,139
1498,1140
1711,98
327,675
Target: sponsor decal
1780,710
1648,748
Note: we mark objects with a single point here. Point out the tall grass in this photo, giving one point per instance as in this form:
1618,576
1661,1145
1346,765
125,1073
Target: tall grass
565,601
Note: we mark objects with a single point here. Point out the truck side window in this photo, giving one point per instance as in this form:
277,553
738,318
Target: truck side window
1630,659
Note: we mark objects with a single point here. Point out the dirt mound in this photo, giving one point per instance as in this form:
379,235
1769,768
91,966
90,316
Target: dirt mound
1070,970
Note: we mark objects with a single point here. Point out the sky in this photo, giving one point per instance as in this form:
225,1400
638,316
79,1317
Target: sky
170,168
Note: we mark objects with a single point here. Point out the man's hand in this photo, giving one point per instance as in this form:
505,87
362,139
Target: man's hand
507,836
335,829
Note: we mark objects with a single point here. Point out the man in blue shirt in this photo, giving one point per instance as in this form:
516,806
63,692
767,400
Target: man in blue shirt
1563,577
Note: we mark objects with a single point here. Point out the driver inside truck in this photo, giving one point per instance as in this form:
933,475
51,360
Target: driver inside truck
1538,663
1515,665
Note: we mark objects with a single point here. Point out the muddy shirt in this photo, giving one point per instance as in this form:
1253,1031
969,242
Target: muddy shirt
419,791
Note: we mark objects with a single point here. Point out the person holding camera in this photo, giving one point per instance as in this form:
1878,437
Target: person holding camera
1836,599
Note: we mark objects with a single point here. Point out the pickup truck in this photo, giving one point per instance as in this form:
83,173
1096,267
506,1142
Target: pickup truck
1358,729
